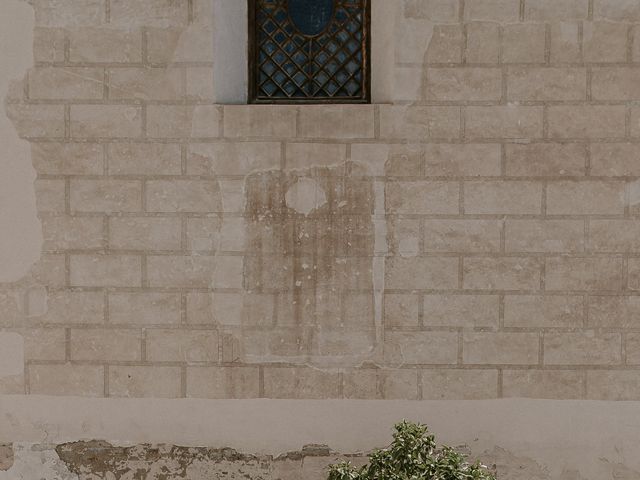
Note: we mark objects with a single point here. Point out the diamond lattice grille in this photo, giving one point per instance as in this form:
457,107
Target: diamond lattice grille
289,66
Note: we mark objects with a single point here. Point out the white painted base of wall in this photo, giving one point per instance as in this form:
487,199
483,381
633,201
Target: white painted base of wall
575,440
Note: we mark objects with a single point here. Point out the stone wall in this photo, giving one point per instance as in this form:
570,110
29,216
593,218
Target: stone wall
476,239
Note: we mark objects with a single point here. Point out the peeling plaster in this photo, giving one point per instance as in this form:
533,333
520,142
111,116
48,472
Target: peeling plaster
525,439
20,229
31,462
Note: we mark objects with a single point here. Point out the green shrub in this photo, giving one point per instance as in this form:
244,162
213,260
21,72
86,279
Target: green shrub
413,455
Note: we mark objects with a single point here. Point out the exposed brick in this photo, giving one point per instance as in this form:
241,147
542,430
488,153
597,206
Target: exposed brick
105,271
544,235
48,44
585,198
434,10
150,13
144,159
105,344
407,348
300,383
635,43
501,273
177,121
422,197
145,84
586,121
232,158
543,311
462,160
634,274
500,348
544,84
203,234
614,311
145,233
462,235
605,42
615,159
483,41
545,160
464,84
55,83
96,121
523,43
632,349
144,381
502,197
635,122
49,271
67,379
336,121
510,121
421,273
445,46
69,13
43,344
449,384
363,384
170,345
615,84
417,122
108,45
614,236
195,271
70,233
613,385
556,10
583,348
144,308
67,158
259,121
401,310
583,273
74,307
311,155
50,195
106,195
556,384
37,120
620,10
565,43
492,10
183,196
223,382
399,384
461,310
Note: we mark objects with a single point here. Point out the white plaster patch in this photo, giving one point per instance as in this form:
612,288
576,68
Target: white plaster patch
32,462
11,354
305,196
20,229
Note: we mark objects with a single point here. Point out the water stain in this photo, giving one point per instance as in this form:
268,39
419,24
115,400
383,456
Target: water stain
310,246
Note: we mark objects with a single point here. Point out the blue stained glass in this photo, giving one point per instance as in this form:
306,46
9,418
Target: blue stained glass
310,16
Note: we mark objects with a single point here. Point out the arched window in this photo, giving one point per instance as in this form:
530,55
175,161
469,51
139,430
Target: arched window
311,51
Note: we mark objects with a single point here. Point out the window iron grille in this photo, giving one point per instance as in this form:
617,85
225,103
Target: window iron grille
313,51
